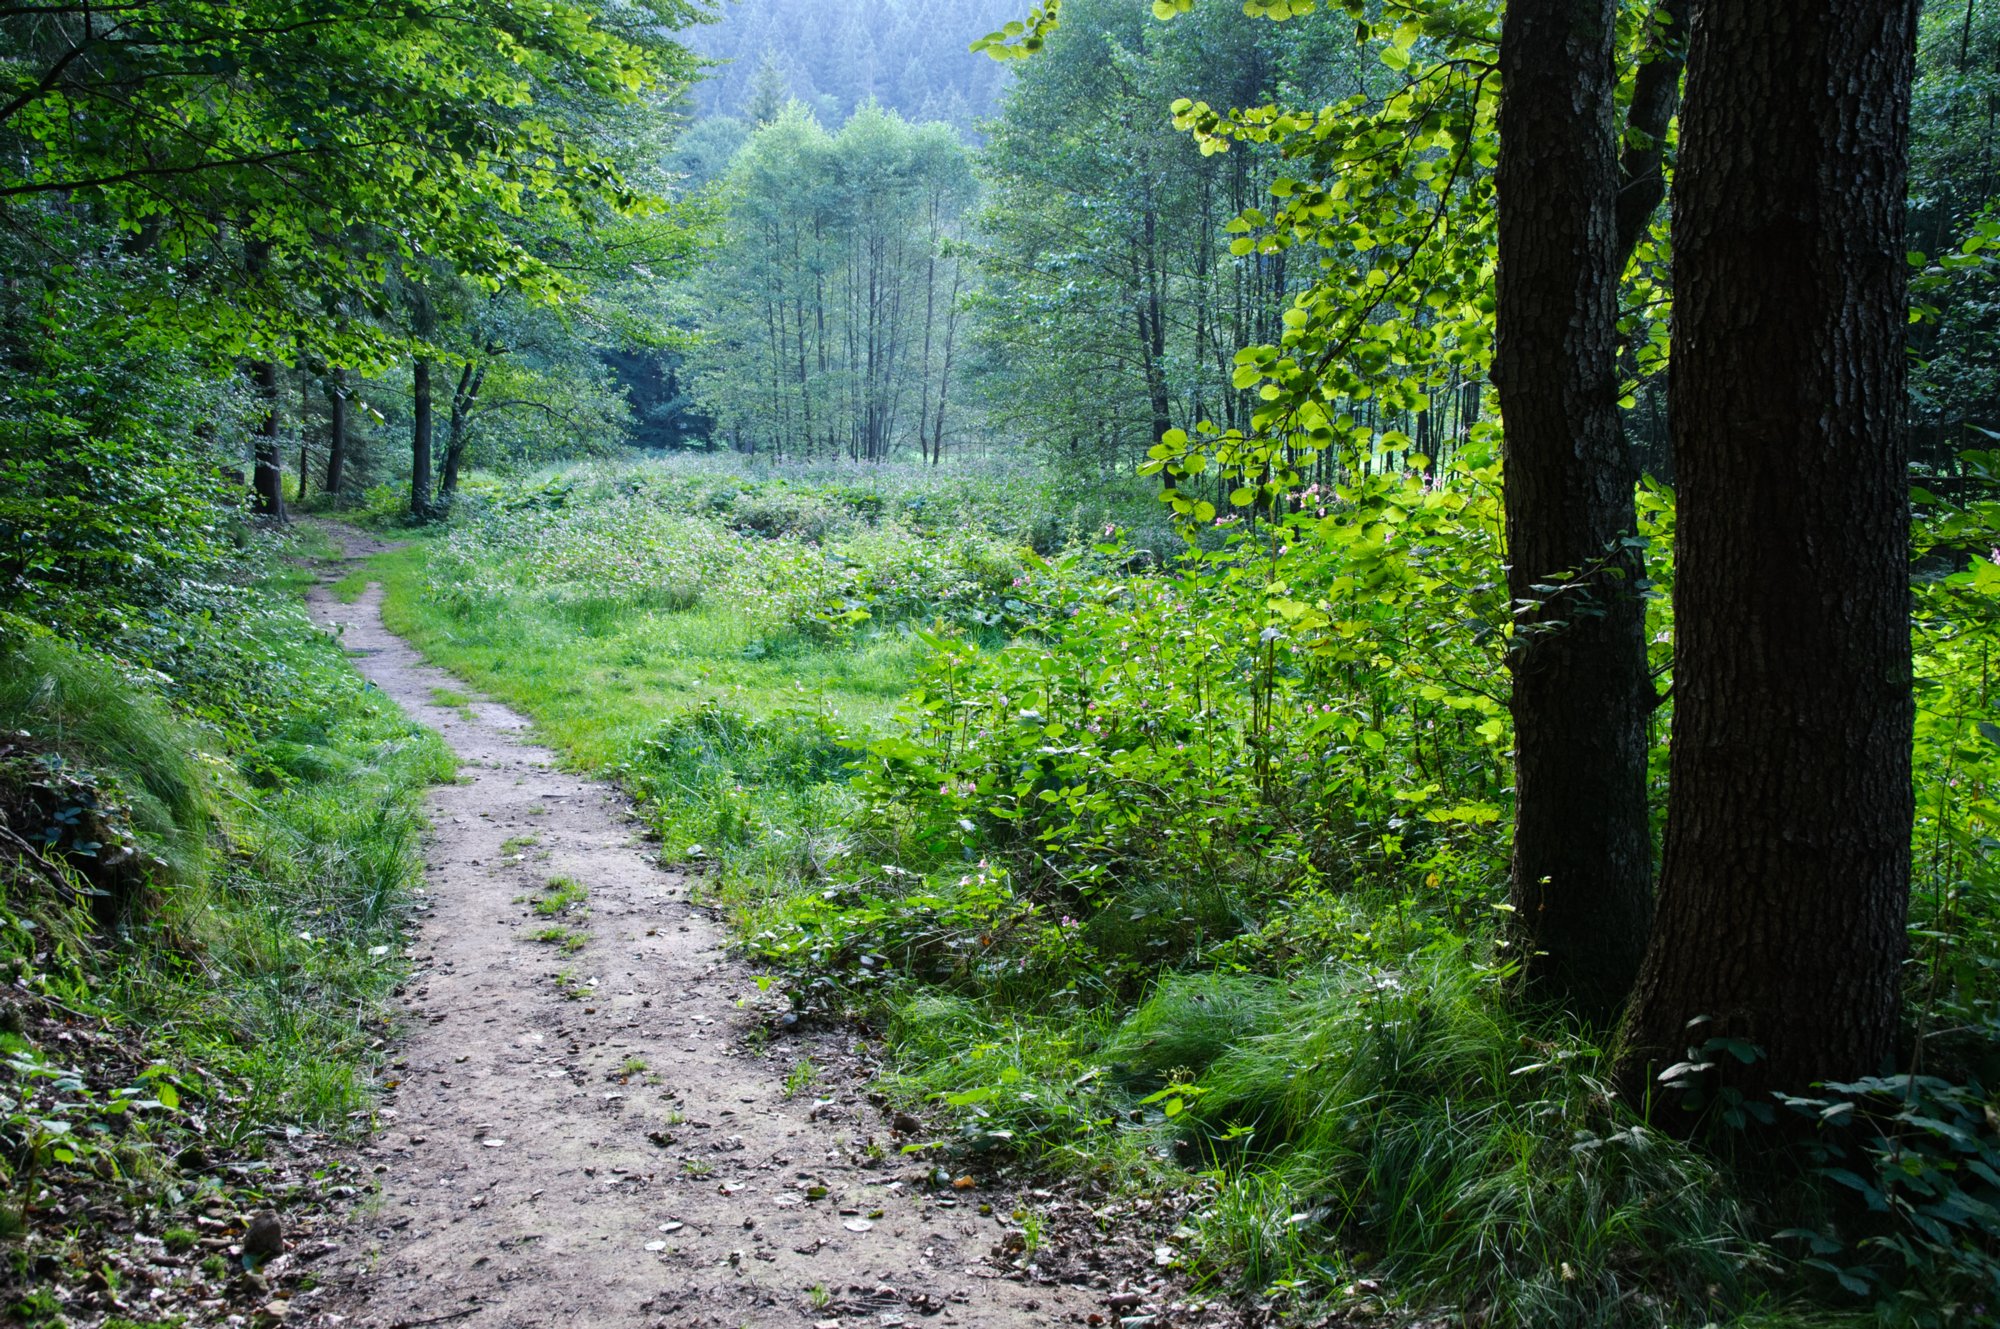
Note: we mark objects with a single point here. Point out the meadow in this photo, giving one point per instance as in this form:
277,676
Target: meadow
1183,866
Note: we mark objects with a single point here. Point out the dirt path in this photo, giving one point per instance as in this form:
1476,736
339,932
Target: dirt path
592,1139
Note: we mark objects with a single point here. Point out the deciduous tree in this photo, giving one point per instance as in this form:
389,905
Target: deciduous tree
1785,884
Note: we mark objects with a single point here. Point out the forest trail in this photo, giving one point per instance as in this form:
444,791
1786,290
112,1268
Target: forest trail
531,1174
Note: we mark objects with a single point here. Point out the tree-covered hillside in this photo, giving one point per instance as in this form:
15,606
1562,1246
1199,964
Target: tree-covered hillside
913,56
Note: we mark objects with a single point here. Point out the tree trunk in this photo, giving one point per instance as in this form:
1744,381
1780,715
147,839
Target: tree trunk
1581,692
420,441
305,447
336,430
462,399
269,480
1656,95
1785,882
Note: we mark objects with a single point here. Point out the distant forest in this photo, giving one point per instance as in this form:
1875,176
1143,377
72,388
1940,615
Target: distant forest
913,56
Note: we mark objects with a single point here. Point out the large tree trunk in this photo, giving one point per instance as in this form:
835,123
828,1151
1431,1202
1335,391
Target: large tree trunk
269,479
336,430
420,441
1785,883
1581,693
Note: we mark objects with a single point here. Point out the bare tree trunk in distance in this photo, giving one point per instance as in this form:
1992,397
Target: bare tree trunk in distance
1784,888
336,430
269,479
420,440
1581,691
463,398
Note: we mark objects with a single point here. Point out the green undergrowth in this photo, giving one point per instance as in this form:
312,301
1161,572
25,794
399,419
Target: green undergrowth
1192,878
228,826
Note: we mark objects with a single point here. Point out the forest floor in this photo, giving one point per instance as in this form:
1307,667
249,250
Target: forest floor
595,1123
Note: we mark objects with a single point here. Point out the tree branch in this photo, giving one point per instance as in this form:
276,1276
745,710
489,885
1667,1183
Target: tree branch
1656,95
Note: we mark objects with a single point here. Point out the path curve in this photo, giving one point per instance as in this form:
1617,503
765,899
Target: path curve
531,1175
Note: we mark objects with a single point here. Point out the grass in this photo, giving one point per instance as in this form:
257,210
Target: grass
1364,1118
265,961
274,802
597,681
84,708
452,699
352,586
562,895
568,940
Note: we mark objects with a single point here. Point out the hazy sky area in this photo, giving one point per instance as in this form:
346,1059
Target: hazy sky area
834,54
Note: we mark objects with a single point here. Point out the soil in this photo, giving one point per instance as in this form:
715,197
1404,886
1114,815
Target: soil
607,1137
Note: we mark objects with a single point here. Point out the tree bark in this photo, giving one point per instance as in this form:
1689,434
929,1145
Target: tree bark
1785,881
269,479
336,442
420,441
462,399
1581,692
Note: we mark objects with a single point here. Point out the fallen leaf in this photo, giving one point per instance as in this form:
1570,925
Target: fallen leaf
857,1225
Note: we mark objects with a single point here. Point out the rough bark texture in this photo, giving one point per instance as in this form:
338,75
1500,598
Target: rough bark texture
1581,695
1785,880
420,443
269,479
463,397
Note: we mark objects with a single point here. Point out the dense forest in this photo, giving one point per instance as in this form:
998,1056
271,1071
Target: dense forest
1290,662
914,57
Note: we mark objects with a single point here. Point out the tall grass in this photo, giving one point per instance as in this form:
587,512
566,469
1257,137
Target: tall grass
1324,1058
115,723
1416,1123
292,841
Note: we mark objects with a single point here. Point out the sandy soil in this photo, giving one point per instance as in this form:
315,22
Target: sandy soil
597,1138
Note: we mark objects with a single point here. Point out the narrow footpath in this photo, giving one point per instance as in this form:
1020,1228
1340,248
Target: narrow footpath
594,1138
